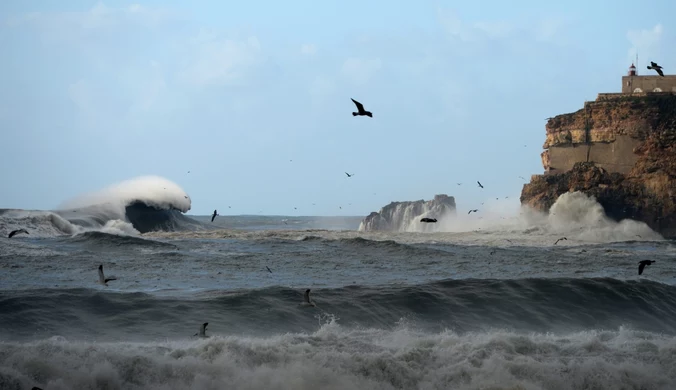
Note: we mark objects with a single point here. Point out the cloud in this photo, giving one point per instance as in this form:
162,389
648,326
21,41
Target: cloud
360,70
647,43
308,49
218,60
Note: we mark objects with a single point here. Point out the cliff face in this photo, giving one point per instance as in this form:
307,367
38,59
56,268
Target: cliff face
646,189
398,216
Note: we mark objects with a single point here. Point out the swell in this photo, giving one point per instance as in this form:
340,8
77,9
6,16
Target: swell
105,239
532,305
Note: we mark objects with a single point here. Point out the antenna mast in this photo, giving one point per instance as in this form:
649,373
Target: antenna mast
637,62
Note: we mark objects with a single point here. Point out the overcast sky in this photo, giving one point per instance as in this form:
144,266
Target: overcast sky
96,93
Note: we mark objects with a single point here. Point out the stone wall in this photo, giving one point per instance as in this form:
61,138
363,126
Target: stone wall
631,84
617,156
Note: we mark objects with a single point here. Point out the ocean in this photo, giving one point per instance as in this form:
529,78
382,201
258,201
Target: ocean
484,301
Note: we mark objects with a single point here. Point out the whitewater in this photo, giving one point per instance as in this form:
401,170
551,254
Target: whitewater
479,301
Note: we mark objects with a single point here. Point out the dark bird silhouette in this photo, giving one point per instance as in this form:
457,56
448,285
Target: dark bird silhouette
642,264
268,269
214,215
348,175
459,184
478,182
36,388
103,280
15,232
203,330
360,109
562,238
306,298
656,68
475,210
429,220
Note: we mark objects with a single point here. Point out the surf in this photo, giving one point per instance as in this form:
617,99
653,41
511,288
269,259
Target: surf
131,207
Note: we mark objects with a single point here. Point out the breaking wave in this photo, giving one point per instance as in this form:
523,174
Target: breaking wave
461,334
140,205
574,214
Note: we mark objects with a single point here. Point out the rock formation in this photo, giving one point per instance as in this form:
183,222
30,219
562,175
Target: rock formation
399,216
636,182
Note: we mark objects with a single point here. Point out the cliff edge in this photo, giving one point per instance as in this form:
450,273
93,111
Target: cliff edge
398,216
620,149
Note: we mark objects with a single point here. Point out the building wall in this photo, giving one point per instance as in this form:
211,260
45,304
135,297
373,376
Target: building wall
617,156
648,83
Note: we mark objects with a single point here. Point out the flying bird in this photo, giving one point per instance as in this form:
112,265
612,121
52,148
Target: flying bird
102,279
269,270
15,232
348,175
656,68
360,109
562,238
429,220
214,215
479,184
203,330
306,298
459,184
642,264
475,210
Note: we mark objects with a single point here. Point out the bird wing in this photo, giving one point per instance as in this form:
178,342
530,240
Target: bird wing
101,274
11,234
659,71
109,279
307,296
640,267
360,107
212,217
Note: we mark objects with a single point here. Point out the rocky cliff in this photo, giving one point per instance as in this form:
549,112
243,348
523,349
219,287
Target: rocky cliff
403,216
647,190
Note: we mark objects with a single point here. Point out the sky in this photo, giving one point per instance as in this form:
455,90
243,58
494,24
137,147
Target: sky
253,98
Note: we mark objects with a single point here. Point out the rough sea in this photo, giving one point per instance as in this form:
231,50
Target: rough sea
484,301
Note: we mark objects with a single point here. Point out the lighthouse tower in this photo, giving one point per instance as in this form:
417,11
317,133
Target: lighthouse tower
632,71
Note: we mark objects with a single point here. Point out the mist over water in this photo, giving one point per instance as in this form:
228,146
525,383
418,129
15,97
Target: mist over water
479,301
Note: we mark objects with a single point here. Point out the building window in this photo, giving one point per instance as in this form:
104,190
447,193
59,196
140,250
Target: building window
638,90
657,90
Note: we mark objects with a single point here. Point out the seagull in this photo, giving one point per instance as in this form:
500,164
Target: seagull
360,109
475,210
14,232
657,68
459,184
642,264
429,220
203,330
306,299
348,175
214,215
562,238
479,184
102,279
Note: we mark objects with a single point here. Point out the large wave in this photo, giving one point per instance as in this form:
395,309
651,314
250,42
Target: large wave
461,334
140,205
